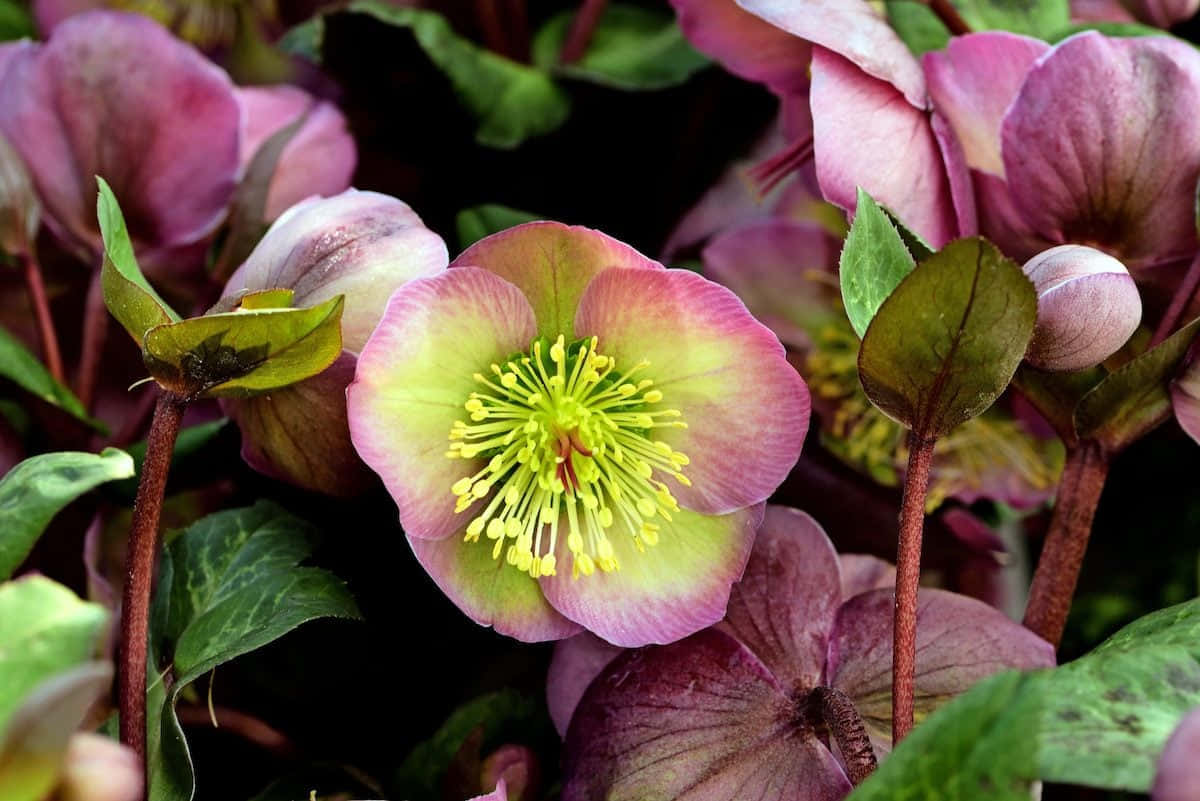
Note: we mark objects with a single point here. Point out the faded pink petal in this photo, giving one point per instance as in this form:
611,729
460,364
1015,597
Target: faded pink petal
1100,11
865,134
320,157
862,573
1001,222
1185,399
576,662
1083,147
499,794
958,176
49,13
747,410
699,720
1178,776
1163,13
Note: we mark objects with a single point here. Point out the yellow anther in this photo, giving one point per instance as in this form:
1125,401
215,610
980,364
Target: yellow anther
473,405
475,528
625,390
461,487
558,350
605,517
512,528
508,380
646,507
586,566
495,529
481,488
549,562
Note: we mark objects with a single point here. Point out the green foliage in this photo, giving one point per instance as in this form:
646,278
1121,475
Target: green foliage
15,21
917,25
630,48
1039,18
229,584
477,222
34,491
946,342
874,261
1113,29
21,367
189,441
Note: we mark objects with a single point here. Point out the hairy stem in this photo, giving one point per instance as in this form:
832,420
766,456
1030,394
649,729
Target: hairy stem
139,570
908,575
91,348
582,28
1179,303
846,727
41,311
950,17
1058,567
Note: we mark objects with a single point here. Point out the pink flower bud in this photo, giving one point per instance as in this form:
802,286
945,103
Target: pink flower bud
100,769
1178,776
516,766
1088,307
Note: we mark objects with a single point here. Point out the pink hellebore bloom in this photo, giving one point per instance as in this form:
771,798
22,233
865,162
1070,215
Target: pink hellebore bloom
613,429
729,712
499,794
363,245
1161,13
1178,776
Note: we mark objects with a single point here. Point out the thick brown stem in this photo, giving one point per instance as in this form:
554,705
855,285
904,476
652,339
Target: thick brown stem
1058,567
1179,303
908,576
582,28
950,17
91,348
139,570
846,726
41,311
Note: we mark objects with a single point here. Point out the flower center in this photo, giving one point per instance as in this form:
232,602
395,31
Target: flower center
568,440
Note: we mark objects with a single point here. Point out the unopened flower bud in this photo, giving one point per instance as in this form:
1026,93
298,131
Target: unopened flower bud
516,766
100,769
1088,307
1178,776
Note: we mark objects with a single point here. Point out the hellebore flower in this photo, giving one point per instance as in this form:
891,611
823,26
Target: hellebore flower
514,767
363,245
1178,776
98,768
1160,13
731,712
1088,307
613,429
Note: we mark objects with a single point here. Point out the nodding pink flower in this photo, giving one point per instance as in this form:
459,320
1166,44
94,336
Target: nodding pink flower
576,437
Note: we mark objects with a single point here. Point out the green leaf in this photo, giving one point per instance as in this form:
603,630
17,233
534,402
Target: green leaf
630,48
23,368
305,40
127,293
266,299
874,261
917,26
189,441
1134,399
229,584
1056,395
15,21
477,222
34,491
916,244
244,353
947,341
45,629
1039,18
511,101
1113,29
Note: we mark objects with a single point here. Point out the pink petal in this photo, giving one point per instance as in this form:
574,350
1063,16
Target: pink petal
116,95
414,375
1083,147
784,607
746,408
552,264
699,720
853,30
1178,776
1001,222
862,573
866,134
576,662
1185,398
958,176
972,83
784,271
671,590
499,794
490,591
1100,11
320,157
48,13
1164,13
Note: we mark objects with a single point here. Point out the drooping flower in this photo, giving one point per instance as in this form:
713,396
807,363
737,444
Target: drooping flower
613,428
1178,775
362,245
730,712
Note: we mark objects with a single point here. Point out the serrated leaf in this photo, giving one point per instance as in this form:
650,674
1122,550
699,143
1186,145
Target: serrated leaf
34,491
228,584
1039,18
947,341
873,263
1135,398
477,222
127,294
511,101
21,367
630,48
244,353
917,26
916,244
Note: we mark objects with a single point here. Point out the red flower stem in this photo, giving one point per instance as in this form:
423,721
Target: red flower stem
950,17
1058,567
41,310
908,575
1179,303
582,27
139,570
91,347
846,726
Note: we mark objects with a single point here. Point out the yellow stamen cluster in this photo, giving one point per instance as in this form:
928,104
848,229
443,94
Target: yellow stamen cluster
566,436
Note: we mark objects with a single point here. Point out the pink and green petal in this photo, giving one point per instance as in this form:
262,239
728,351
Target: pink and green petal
499,794
973,82
1001,222
415,374
785,604
1178,775
666,592
862,573
576,662
1083,145
854,30
552,264
783,270
1185,398
746,408
363,245
698,720
865,134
